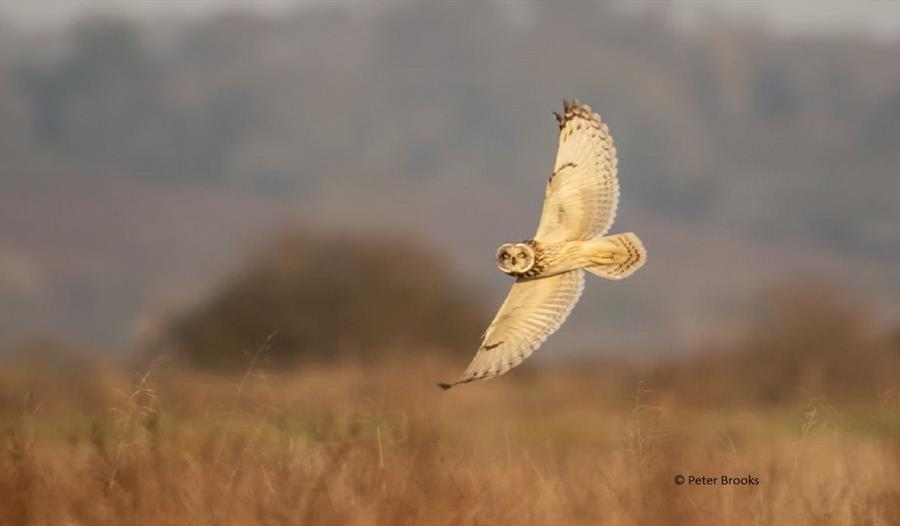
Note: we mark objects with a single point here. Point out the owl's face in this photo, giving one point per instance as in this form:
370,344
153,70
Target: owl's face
515,258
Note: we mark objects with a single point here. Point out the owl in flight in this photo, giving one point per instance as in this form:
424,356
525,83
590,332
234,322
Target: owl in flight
579,208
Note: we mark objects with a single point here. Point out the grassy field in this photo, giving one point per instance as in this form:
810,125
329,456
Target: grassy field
348,444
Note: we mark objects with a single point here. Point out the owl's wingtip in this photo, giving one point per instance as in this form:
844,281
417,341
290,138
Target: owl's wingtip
444,386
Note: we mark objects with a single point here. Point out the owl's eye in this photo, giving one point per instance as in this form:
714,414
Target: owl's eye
521,255
505,255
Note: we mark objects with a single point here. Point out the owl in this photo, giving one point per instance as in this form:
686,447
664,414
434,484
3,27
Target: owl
579,208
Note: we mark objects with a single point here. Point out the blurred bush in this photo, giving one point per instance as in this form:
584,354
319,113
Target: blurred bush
807,339
328,296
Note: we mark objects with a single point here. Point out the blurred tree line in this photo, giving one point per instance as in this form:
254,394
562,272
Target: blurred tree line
747,130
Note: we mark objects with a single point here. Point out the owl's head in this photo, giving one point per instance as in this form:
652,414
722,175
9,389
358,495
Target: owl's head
515,258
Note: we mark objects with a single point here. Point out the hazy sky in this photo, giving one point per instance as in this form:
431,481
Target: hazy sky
879,19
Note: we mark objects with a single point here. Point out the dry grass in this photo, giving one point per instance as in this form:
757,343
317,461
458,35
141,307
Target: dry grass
354,445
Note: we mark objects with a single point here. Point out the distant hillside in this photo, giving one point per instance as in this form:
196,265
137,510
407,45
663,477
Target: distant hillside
742,156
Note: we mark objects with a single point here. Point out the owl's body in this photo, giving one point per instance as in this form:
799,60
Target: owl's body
579,208
531,259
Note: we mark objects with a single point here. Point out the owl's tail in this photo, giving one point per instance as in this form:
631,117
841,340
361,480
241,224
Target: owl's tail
622,255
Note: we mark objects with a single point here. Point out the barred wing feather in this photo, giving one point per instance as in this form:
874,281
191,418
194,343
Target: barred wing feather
583,192
534,309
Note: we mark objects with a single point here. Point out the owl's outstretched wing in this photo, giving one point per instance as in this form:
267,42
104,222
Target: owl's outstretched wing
583,192
533,310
